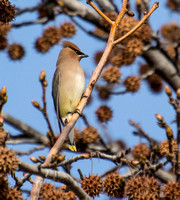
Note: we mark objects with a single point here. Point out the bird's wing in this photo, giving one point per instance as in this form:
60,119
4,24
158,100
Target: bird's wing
55,94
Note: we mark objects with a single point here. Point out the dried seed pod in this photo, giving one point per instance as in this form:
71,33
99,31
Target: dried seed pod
104,113
3,43
132,83
42,45
135,46
7,11
98,56
14,193
89,135
47,191
4,29
68,29
164,147
125,26
52,34
155,82
16,51
171,32
103,92
111,74
142,187
141,149
8,161
63,193
144,33
171,191
4,187
114,185
93,185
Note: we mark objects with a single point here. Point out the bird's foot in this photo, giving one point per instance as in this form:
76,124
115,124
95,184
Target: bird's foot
76,111
84,96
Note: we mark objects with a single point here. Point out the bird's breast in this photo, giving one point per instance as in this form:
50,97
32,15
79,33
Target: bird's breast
71,88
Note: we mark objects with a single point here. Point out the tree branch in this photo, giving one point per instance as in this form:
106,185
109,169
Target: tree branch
26,129
56,176
163,66
106,5
82,10
40,147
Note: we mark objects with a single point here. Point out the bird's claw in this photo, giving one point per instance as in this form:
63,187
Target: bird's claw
76,111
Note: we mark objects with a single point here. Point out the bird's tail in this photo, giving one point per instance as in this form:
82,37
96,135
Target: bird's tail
72,145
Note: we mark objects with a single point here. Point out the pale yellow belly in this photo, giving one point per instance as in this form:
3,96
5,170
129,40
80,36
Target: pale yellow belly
70,94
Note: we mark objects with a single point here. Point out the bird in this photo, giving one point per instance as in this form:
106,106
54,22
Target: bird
68,85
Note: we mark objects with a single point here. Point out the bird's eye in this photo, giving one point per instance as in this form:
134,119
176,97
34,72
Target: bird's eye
78,52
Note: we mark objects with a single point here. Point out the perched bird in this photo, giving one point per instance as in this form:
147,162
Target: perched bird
68,85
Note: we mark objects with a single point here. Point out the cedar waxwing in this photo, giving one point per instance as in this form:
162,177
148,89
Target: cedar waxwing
68,85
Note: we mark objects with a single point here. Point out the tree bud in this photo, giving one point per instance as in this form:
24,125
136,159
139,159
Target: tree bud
3,92
169,132
61,158
35,104
45,83
42,75
168,90
42,157
34,159
1,121
178,93
159,117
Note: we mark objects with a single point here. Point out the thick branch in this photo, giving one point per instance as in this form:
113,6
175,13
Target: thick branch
56,176
163,66
106,5
82,10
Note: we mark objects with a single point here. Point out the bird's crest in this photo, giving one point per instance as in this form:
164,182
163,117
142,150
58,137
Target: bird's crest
70,45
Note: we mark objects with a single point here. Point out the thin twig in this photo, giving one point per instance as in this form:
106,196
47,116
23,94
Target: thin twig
45,110
15,140
120,92
154,7
100,12
38,21
20,182
110,170
26,129
28,152
85,119
114,158
141,133
34,8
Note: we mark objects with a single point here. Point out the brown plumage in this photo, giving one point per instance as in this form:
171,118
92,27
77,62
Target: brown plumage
68,85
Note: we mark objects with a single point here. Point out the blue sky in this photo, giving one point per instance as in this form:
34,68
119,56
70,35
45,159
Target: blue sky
22,81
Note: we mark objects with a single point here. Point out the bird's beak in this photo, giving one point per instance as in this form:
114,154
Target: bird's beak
84,56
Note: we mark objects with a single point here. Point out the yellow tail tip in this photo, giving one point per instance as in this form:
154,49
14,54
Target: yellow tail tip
72,148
